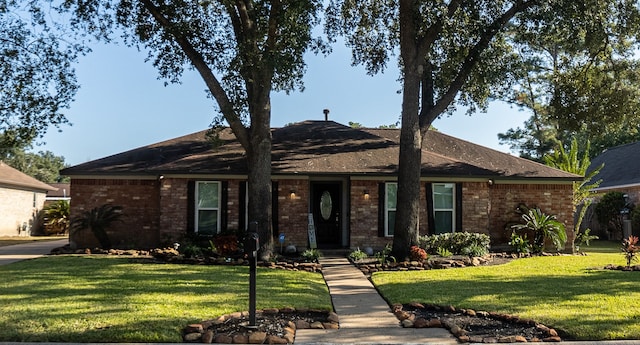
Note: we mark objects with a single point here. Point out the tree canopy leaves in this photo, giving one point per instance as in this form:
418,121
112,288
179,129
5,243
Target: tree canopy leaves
37,79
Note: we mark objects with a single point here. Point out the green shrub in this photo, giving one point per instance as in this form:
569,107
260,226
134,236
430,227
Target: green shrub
357,255
444,252
56,218
583,239
458,243
520,244
97,220
607,212
311,255
190,250
384,255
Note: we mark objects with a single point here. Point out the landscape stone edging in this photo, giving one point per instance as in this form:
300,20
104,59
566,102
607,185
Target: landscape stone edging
204,332
166,255
407,322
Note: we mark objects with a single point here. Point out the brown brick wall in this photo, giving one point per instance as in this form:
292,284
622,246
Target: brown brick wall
293,212
475,207
552,199
139,200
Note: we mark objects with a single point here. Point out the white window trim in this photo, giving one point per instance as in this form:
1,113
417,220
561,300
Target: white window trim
453,203
386,206
197,208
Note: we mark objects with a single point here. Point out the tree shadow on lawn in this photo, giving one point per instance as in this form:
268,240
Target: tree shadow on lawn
598,306
117,300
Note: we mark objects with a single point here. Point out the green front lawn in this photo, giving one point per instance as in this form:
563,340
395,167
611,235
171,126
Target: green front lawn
570,293
109,299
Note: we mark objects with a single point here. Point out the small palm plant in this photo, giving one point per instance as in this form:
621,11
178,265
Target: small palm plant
56,218
543,227
630,248
97,220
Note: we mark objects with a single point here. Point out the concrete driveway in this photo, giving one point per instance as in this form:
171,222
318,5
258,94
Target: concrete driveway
24,251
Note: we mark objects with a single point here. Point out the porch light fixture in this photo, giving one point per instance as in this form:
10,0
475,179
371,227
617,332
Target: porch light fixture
365,195
292,194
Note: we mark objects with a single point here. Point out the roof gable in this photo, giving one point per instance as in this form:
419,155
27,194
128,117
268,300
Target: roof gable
14,178
317,147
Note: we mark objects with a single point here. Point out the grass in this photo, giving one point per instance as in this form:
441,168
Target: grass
11,240
571,293
108,299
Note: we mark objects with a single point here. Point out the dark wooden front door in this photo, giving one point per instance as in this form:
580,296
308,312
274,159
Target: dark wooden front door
326,208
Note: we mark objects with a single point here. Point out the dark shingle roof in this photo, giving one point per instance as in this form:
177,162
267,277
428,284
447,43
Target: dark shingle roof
14,178
621,166
317,147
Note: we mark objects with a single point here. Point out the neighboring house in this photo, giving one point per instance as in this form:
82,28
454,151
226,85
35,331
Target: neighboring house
341,177
21,199
620,173
61,192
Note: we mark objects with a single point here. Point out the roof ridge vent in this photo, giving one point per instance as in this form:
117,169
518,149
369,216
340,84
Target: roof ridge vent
326,114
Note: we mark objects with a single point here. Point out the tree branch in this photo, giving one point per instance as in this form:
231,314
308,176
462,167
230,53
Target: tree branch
472,59
199,63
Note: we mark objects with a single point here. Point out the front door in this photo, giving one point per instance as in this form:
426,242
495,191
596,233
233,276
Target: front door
326,208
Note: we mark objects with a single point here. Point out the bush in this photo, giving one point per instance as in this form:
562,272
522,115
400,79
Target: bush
458,243
608,212
417,254
519,244
311,255
357,255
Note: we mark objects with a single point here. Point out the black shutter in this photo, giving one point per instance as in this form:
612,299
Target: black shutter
224,197
458,206
191,206
242,207
274,208
381,208
431,221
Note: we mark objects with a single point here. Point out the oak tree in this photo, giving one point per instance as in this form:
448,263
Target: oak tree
242,49
452,53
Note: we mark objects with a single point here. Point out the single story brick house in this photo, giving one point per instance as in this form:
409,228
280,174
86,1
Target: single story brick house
21,199
343,179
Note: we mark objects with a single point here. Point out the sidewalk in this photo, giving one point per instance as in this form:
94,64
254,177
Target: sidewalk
17,252
365,317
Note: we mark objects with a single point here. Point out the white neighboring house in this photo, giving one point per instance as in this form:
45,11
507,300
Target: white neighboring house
21,199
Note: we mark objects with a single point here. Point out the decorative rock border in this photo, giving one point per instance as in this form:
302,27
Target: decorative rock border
369,266
170,255
207,331
622,268
409,320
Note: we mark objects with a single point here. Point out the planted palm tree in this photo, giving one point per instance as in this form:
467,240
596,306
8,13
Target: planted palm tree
97,220
543,227
56,218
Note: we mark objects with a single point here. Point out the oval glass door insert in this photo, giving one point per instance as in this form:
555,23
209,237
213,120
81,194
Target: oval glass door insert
326,205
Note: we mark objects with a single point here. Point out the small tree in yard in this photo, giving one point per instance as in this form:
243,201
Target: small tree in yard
56,218
543,227
97,220
630,248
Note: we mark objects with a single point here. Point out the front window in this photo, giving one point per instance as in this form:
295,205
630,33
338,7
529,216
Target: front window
207,207
391,191
444,207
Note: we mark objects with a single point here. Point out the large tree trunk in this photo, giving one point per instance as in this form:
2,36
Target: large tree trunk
409,162
259,180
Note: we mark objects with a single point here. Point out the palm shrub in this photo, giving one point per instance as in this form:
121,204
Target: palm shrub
543,227
56,218
97,220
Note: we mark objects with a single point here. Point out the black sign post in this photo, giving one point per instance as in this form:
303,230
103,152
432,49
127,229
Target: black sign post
252,243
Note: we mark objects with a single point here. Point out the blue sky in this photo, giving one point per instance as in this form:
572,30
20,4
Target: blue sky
122,105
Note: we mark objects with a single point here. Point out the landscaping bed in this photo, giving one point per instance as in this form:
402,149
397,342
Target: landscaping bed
474,326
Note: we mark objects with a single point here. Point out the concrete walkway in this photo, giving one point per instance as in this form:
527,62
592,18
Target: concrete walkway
35,249
365,317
